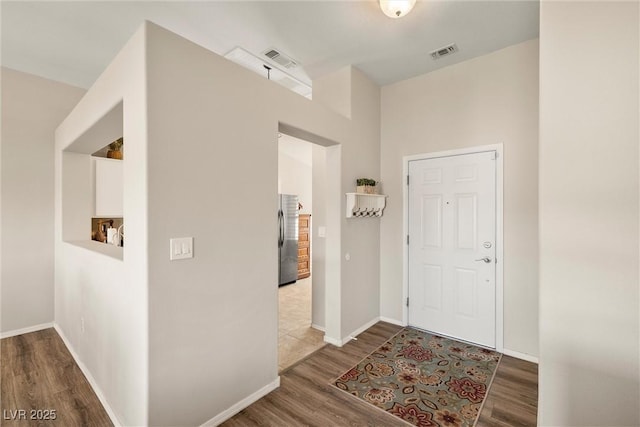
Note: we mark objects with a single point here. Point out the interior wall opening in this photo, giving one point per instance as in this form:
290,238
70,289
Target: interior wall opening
93,186
301,195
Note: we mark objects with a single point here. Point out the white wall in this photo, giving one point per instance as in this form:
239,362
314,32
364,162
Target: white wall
333,90
154,329
108,292
349,93
213,175
318,254
360,236
295,174
487,100
589,131
32,107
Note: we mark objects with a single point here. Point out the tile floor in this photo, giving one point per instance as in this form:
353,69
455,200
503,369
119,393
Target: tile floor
297,339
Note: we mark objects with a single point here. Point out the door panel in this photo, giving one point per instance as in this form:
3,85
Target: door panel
466,173
452,202
432,226
466,221
432,295
432,176
465,293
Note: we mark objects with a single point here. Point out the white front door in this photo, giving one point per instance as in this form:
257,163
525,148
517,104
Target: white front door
452,238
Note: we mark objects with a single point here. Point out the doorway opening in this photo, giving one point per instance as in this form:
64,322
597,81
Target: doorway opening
301,219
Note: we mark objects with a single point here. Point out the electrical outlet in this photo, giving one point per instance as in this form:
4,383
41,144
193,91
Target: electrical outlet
82,325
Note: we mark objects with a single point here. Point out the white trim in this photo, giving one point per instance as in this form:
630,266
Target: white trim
318,327
500,261
333,341
498,148
360,330
234,409
392,321
27,330
522,356
92,382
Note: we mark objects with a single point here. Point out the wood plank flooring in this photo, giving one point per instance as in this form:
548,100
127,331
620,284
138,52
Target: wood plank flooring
38,373
306,398
513,397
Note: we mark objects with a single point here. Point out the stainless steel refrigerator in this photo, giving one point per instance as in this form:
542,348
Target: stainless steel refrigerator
287,239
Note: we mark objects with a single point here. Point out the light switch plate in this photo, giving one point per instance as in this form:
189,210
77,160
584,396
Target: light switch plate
322,231
180,248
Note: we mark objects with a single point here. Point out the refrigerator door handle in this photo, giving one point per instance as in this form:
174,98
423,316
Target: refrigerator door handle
280,228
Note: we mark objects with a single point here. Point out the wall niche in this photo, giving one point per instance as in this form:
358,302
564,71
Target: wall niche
93,187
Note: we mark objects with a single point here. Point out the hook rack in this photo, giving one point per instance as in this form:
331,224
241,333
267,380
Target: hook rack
361,205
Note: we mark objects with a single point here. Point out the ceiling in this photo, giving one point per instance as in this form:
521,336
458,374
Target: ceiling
73,42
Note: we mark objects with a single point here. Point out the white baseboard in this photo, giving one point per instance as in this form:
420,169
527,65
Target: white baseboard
87,374
318,327
360,330
333,341
230,412
518,355
392,321
21,331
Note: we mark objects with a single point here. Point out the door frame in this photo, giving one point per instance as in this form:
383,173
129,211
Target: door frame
500,260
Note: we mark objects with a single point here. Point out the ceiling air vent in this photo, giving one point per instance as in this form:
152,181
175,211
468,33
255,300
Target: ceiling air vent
273,73
280,58
444,51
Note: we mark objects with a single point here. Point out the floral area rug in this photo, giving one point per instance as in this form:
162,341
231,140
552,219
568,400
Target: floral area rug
424,379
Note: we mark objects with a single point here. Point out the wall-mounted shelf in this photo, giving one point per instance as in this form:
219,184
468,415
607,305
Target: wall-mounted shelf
360,205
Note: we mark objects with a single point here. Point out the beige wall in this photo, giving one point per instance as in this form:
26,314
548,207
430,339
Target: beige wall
108,293
32,107
213,175
360,236
487,100
589,312
201,160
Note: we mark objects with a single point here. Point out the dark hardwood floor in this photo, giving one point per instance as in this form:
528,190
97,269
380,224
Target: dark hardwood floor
38,373
513,397
305,397
38,376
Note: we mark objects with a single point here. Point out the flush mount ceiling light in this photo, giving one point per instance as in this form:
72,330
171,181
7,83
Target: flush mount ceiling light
396,8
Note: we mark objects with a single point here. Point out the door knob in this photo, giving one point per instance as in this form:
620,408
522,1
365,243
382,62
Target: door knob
485,259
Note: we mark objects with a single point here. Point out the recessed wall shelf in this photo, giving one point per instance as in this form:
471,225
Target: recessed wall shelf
360,205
